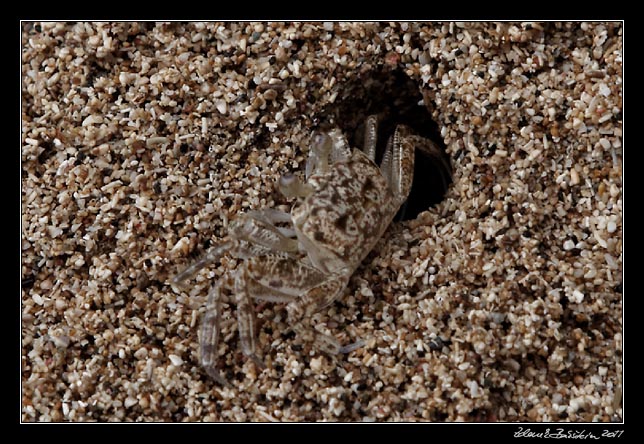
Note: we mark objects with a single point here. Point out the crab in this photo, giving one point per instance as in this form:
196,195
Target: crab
306,258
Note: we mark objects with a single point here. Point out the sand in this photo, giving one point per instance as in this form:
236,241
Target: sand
500,302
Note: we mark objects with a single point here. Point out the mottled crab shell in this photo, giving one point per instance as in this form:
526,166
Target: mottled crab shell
349,211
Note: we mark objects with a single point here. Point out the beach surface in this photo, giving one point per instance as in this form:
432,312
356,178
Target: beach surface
500,301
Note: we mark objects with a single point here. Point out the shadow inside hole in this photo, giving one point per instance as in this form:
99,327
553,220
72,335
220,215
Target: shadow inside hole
396,99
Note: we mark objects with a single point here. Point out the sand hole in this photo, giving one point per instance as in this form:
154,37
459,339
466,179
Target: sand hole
397,99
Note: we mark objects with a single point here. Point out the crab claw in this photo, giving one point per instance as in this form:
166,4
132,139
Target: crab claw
290,186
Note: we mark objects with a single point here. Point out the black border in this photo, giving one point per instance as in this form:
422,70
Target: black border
386,432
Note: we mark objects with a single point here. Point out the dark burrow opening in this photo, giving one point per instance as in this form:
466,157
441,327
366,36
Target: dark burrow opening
396,99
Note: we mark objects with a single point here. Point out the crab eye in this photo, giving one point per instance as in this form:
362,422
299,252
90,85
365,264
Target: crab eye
287,179
322,144
318,138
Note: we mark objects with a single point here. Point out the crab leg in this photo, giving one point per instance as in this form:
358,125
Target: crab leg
245,289
246,316
211,256
268,278
273,216
306,290
315,299
370,136
385,163
255,228
398,163
210,331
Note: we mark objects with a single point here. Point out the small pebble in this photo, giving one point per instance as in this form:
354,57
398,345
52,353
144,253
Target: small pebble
176,360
